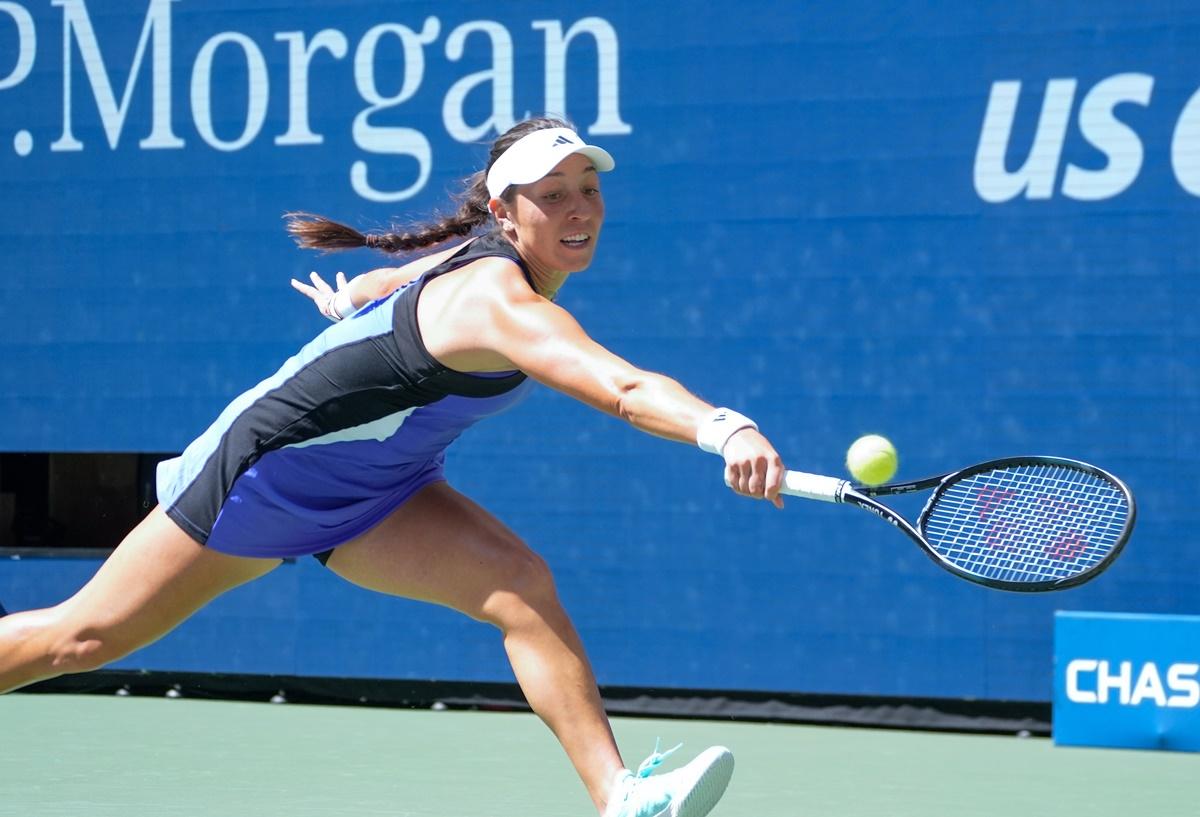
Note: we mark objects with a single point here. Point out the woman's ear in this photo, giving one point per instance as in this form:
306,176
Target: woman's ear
500,213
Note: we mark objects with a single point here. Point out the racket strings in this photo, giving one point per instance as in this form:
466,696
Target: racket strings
1027,523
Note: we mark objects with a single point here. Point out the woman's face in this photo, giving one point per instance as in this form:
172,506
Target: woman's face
557,219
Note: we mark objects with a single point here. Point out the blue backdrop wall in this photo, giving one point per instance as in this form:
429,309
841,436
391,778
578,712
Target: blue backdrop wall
971,227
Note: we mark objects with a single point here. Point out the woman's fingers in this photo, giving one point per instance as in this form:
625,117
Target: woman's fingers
752,466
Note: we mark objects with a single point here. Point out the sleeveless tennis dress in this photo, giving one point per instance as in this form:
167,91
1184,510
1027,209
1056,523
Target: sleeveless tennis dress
346,431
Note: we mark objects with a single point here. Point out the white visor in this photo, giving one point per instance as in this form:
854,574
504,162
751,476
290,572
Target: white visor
533,156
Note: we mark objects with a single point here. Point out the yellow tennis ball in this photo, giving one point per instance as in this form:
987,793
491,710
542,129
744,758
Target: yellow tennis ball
872,459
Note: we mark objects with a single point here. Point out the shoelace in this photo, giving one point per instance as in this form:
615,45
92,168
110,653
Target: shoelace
655,760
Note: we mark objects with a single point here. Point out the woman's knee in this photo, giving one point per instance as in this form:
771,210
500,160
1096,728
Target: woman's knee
523,588
74,647
84,654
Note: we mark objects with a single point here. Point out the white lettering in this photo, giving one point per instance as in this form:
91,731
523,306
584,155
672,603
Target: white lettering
500,75
1181,679
608,117
390,140
1036,176
157,27
26,44
384,83
257,88
299,58
1148,685
1074,691
1185,146
1114,138
1105,681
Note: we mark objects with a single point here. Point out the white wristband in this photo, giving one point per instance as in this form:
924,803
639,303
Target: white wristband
718,427
340,306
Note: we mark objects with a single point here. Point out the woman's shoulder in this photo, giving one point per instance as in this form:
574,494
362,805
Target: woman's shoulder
499,265
497,277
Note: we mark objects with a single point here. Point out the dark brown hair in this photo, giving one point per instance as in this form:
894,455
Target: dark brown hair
319,233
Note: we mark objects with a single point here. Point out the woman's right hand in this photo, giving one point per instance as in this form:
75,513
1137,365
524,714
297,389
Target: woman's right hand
753,467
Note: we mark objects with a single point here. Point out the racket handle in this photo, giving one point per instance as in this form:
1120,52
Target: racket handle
811,486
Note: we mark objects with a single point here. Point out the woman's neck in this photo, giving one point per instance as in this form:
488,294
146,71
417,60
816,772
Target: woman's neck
545,282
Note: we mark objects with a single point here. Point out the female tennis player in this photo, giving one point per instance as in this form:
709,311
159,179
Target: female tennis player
339,454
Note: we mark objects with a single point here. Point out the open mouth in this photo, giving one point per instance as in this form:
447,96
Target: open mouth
576,240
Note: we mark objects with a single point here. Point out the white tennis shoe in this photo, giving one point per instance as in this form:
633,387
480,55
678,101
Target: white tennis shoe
691,791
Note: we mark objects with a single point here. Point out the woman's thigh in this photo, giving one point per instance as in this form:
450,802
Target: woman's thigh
156,578
442,547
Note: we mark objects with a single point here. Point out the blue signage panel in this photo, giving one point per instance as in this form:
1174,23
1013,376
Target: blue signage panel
1127,680
968,226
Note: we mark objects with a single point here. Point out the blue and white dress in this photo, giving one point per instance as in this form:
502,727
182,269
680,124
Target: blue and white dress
346,431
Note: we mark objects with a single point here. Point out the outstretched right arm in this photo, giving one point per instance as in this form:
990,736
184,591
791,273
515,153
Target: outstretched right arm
548,344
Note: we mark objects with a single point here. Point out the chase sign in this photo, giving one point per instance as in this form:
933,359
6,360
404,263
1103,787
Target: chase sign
1127,680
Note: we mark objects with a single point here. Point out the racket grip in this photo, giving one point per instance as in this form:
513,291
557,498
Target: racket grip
812,486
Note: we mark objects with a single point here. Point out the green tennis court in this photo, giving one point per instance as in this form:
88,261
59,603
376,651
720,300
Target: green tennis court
125,757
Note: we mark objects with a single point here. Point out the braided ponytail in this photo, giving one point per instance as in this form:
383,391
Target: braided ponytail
313,232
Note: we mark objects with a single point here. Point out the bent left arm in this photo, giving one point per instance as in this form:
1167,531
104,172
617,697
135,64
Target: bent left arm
367,287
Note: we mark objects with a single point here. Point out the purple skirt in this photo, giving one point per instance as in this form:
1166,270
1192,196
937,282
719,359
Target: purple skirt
274,513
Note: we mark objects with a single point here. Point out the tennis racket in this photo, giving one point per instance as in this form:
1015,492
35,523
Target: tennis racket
1021,523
